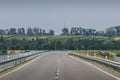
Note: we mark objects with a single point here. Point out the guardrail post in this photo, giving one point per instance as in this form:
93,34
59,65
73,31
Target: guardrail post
106,57
94,55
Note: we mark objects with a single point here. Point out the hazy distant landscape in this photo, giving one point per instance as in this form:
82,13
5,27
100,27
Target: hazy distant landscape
70,39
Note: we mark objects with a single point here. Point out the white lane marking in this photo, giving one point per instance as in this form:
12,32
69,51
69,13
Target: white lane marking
96,68
56,78
21,66
57,70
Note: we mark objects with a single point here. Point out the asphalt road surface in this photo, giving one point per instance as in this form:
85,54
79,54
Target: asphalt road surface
57,65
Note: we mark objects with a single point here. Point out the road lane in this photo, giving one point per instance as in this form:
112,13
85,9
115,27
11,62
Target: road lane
41,69
72,69
57,65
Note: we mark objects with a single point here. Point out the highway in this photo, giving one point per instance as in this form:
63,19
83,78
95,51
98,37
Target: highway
56,65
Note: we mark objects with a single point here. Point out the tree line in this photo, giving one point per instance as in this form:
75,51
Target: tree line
111,31
22,31
54,43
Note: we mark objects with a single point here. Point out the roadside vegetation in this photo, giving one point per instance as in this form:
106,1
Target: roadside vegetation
62,42
106,54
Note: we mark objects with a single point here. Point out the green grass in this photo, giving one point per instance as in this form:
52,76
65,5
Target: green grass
29,37
21,37
99,53
117,54
81,37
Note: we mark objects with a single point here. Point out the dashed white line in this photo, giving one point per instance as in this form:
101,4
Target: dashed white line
56,78
57,71
57,74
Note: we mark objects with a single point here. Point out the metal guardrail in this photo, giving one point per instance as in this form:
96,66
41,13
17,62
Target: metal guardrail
13,57
8,61
100,60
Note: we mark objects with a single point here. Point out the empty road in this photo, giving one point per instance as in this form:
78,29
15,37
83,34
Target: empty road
57,65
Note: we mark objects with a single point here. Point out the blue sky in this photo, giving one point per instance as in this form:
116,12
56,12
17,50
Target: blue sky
53,14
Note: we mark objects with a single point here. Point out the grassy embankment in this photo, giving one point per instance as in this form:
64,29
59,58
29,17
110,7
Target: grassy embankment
99,53
106,54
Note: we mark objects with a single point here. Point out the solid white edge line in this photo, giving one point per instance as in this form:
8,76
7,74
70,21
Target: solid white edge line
22,66
96,68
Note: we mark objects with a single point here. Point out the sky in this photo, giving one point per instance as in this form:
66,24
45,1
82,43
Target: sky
57,14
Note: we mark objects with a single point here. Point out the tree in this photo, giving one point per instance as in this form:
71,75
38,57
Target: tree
29,31
12,31
74,31
2,32
51,32
35,31
65,31
40,32
21,31
111,31
1,39
80,31
117,29
3,52
43,32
